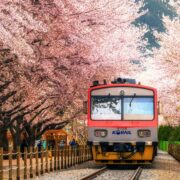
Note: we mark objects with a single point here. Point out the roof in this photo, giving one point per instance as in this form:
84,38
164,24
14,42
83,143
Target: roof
56,132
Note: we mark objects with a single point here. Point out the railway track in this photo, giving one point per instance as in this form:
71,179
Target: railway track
95,174
134,176
137,173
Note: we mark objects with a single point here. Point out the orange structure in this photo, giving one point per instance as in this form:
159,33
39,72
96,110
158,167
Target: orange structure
55,136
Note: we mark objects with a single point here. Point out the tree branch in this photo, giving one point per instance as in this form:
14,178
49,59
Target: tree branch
4,86
7,96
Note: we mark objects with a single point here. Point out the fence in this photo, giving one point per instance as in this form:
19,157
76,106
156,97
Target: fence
174,150
31,163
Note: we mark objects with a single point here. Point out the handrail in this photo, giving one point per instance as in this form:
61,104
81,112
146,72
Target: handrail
33,162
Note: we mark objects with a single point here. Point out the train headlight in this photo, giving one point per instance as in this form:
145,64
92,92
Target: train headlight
100,133
144,133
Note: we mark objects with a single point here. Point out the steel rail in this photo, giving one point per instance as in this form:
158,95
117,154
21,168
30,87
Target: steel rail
137,173
95,174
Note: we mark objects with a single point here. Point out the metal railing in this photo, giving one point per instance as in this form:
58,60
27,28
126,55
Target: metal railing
30,163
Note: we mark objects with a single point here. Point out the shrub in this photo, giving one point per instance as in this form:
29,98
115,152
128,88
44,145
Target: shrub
175,134
164,132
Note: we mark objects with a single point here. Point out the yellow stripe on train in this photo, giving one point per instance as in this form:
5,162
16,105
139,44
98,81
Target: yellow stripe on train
119,158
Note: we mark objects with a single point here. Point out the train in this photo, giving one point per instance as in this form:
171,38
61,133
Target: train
122,120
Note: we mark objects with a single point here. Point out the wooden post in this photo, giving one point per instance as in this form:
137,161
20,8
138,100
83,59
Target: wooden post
69,156
58,158
57,162
42,161
79,157
72,153
18,163
25,163
62,158
65,157
72,149
31,161
81,154
55,157
72,156
75,155
65,154
10,163
88,151
82,157
1,163
46,170
51,169
37,162
85,153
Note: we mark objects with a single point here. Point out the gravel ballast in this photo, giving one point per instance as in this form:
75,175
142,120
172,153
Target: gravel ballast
164,167
74,173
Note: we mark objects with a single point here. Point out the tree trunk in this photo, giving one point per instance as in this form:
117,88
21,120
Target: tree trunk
32,141
3,139
16,138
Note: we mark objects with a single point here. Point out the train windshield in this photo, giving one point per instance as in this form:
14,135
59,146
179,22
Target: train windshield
122,108
138,108
103,108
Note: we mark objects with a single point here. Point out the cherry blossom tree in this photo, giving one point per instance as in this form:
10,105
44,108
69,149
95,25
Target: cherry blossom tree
18,112
62,46
168,59
163,70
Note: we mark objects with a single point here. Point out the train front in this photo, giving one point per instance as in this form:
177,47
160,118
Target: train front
122,123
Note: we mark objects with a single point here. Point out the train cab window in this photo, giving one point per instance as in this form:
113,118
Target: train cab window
138,108
105,108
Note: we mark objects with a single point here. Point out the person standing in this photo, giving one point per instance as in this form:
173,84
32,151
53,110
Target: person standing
62,144
72,143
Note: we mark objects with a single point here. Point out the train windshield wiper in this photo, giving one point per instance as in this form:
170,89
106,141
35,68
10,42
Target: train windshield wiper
132,100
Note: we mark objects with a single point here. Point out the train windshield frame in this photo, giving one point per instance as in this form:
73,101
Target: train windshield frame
122,108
